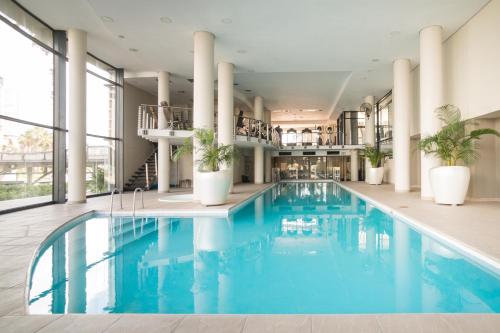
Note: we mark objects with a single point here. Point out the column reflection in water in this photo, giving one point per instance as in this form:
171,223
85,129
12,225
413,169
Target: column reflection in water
59,275
402,271
77,263
211,237
163,242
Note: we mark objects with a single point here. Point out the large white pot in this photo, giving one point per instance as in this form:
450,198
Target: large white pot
450,184
375,176
214,187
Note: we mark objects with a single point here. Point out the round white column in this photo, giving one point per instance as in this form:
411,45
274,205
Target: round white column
77,115
203,93
354,165
369,138
268,166
225,119
431,97
401,96
163,144
258,110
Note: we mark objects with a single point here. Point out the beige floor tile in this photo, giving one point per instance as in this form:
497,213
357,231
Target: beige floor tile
211,324
11,299
345,324
80,323
25,324
277,324
409,323
462,323
129,323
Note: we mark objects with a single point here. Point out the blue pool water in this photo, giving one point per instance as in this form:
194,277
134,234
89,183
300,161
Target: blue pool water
298,248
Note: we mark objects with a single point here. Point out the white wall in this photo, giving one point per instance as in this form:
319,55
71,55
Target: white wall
471,82
135,149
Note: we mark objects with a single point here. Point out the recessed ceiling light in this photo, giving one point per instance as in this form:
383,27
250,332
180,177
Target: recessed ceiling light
236,84
181,92
191,51
394,33
107,19
364,78
375,60
226,20
133,49
251,71
369,71
121,36
165,19
248,90
241,51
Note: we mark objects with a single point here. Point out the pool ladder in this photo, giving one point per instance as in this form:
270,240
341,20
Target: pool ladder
121,200
142,200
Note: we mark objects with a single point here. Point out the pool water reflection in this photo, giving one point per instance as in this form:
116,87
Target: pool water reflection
298,248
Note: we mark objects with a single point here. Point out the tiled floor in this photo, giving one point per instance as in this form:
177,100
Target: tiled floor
477,225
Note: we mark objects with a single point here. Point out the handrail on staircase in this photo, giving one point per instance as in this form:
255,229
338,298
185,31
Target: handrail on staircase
121,200
142,200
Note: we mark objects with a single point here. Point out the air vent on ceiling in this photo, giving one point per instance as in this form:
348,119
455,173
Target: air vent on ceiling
309,153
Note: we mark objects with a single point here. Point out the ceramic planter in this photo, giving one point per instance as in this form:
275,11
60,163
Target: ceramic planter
450,184
375,176
215,187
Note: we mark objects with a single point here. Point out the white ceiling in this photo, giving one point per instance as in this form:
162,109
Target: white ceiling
323,46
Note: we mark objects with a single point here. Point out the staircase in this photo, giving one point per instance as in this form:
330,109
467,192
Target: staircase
138,179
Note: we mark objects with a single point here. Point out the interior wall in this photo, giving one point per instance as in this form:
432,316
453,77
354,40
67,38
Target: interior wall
135,149
471,71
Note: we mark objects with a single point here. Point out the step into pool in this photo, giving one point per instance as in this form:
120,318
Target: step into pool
299,248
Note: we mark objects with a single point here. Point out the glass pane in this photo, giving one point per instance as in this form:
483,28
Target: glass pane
100,174
25,164
26,78
25,21
100,106
101,68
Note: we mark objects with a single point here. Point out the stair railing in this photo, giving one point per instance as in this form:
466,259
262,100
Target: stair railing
121,200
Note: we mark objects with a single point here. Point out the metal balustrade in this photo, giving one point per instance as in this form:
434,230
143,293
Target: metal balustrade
177,118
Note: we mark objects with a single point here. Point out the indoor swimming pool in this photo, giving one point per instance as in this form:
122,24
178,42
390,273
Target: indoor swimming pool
298,248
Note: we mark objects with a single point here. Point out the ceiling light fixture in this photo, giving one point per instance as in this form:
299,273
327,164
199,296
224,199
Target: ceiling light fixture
107,19
181,92
121,36
394,33
133,49
241,51
248,90
375,60
165,19
226,20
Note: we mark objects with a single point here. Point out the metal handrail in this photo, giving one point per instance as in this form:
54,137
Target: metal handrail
121,200
142,200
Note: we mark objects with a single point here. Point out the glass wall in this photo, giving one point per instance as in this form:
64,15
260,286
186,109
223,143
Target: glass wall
33,117
312,167
102,88
384,119
26,109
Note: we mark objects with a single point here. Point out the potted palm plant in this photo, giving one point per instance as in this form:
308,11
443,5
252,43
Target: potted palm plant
455,145
214,180
374,174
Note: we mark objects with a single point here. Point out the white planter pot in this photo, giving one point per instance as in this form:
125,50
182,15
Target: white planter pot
214,187
450,184
375,176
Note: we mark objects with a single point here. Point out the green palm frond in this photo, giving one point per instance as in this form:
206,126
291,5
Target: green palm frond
213,155
454,143
374,155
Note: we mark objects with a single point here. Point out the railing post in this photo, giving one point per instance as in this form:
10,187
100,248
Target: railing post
147,175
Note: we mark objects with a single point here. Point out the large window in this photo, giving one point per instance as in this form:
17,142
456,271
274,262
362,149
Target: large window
26,109
33,114
384,119
102,86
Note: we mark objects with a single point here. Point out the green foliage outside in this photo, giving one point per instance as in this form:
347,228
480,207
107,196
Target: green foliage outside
98,183
19,191
454,142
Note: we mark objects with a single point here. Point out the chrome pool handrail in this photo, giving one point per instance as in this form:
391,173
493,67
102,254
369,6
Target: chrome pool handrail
142,200
121,200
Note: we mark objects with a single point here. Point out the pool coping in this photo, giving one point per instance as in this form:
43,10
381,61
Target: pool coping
479,257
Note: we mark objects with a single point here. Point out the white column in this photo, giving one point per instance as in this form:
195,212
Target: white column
401,96
225,119
163,144
77,115
203,92
431,97
258,110
268,166
369,131
354,165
